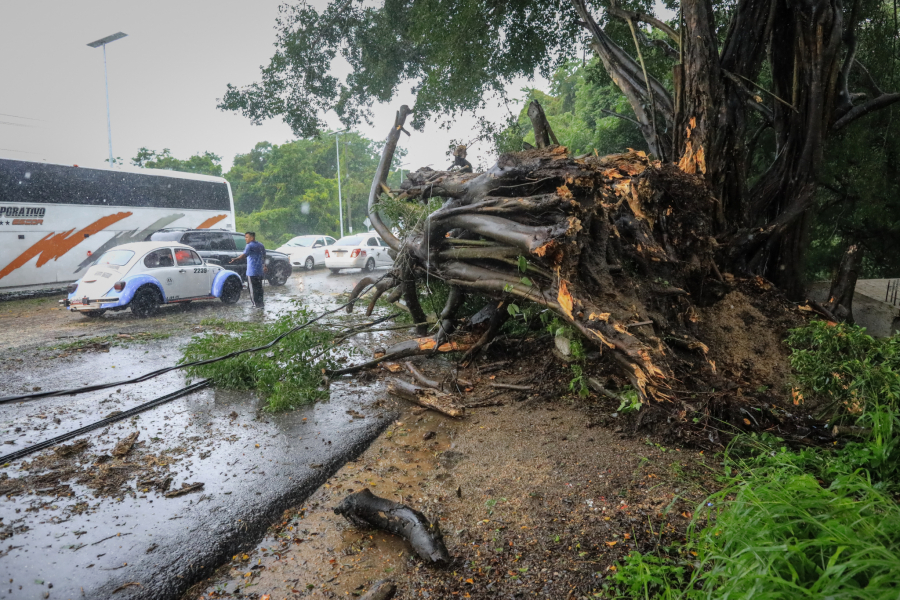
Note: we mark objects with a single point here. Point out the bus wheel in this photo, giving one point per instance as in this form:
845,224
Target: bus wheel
93,314
145,303
231,291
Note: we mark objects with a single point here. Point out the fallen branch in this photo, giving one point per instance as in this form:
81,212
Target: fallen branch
420,377
365,509
509,386
426,397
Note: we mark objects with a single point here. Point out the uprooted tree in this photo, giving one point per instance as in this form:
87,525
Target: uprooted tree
605,242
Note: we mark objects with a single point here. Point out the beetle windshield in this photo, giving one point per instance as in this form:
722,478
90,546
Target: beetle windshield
115,257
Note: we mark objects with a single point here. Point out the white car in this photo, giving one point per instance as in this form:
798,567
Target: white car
144,275
307,251
365,251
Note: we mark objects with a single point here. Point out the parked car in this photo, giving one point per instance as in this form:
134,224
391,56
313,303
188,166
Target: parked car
365,251
220,246
143,275
307,251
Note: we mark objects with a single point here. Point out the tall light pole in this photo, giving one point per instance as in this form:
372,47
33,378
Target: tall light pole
337,153
103,42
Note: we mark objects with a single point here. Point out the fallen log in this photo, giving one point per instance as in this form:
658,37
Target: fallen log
365,509
426,397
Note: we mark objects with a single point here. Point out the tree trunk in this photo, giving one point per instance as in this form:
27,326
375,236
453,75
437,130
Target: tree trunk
843,286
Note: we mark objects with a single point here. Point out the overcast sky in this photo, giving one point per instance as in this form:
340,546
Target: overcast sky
164,82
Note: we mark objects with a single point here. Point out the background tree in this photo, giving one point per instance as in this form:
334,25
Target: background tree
745,67
281,191
204,164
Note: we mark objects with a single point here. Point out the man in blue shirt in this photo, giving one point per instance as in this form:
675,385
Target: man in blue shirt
256,267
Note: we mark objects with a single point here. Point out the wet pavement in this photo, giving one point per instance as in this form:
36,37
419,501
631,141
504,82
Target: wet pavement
83,522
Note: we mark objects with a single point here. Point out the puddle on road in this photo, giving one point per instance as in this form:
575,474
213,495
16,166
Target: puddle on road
318,554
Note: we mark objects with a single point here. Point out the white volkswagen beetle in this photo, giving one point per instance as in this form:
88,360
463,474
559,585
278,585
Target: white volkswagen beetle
365,251
144,275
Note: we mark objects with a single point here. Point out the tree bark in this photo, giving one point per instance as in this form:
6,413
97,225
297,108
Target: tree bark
843,286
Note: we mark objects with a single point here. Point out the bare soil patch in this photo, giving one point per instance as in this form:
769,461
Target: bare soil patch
533,499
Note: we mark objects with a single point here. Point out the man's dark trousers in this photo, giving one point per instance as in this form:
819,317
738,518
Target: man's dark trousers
256,290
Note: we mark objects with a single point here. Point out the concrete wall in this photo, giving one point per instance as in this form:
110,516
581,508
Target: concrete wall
880,318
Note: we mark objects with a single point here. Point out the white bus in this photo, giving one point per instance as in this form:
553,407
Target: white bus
55,218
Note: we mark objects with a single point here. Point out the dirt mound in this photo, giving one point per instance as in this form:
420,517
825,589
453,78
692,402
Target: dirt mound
744,344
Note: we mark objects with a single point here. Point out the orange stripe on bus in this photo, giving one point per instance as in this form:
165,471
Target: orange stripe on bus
210,222
54,245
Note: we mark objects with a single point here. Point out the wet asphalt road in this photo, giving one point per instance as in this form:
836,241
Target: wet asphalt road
253,464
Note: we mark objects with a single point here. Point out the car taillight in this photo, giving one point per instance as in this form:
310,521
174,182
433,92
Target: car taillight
327,255
357,252
119,286
71,288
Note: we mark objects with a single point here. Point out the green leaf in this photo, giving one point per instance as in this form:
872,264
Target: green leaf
526,281
523,264
513,310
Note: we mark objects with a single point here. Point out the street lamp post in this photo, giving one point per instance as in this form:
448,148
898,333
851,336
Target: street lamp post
337,153
103,42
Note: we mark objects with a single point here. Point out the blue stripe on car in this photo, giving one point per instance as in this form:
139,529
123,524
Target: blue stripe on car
221,278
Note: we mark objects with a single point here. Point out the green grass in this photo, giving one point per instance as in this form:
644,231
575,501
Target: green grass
288,375
815,523
849,371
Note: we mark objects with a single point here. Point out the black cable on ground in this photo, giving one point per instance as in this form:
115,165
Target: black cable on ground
104,422
157,373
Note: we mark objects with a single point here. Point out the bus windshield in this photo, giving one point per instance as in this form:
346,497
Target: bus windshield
116,258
